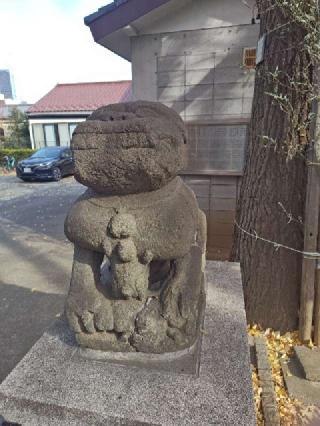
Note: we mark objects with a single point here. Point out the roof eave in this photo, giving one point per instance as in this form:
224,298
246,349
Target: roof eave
38,114
115,18
118,43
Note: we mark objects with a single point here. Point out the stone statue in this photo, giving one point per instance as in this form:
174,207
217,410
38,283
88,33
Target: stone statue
139,222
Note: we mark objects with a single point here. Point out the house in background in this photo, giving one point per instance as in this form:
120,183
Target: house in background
54,117
198,57
6,109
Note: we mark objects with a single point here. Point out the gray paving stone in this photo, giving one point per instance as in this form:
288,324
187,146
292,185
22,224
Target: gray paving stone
56,384
298,386
310,362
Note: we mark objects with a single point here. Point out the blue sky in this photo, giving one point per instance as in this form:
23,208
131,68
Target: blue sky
45,42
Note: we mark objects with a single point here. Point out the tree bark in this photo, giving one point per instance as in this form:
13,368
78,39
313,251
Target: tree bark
271,277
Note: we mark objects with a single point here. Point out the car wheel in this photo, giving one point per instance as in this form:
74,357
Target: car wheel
56,173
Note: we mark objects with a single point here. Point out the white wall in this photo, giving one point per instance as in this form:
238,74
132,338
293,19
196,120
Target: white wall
37,134
199,73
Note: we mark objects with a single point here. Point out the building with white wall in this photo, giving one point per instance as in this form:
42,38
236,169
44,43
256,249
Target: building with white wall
7,107
7,86
54,117
198,57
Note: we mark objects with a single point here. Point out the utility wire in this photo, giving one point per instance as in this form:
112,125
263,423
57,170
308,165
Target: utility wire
307,254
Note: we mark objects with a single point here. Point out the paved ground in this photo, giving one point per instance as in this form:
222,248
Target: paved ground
35,261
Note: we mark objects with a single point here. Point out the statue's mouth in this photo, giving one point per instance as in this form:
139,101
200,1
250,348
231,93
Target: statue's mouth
123,140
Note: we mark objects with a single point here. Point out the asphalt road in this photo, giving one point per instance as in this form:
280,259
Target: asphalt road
35,261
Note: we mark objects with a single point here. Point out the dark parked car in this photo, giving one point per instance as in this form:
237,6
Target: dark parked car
47,163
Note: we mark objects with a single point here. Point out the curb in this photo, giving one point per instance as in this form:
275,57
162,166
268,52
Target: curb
268,396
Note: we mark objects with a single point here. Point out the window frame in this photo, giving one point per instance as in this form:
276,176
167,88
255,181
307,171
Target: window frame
217,172
69,127
56,134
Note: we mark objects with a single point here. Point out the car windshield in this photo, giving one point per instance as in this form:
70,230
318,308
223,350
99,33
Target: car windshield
47,153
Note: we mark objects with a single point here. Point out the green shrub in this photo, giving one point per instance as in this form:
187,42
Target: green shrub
17,153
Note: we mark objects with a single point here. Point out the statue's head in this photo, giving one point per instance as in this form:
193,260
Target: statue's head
129,148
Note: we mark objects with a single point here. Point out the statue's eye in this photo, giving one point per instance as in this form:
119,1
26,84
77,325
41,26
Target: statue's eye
111,118
123,117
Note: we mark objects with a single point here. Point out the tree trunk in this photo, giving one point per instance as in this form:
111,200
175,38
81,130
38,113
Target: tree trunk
273,187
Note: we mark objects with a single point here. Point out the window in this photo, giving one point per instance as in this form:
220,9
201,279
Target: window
38,135
64,134
1,132
216,147
72,128
50,135
47,153
249,57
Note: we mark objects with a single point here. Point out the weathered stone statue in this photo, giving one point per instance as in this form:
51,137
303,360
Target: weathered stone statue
142,224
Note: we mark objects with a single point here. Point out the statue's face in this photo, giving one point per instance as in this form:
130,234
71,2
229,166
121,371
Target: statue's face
129,148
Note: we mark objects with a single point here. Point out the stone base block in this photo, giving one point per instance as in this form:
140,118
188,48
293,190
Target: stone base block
309,360
210,384
298,386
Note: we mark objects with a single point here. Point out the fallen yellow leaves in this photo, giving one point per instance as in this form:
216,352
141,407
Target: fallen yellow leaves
257,396
279,347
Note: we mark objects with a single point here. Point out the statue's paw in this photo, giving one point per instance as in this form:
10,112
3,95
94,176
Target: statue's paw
87,319
103,317
177,336
171,307
73,318
80,321
125,313
174,318
98,317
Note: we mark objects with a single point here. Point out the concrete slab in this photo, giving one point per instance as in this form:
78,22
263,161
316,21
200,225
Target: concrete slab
57,384
298,386
310,362
35,261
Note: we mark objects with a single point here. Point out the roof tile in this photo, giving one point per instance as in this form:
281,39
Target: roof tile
83,96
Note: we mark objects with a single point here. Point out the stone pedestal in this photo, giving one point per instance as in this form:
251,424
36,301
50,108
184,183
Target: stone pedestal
57,383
